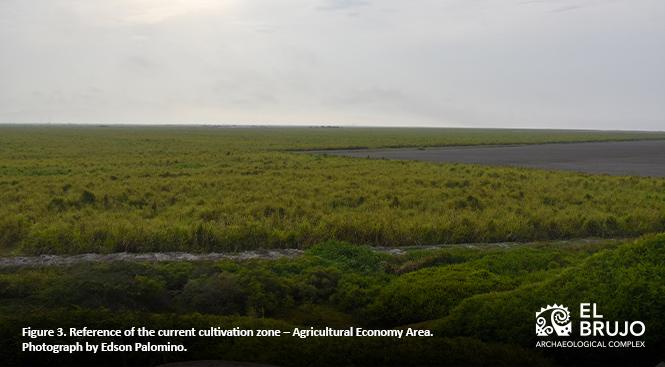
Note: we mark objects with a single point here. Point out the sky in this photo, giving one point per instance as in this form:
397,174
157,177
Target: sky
592,64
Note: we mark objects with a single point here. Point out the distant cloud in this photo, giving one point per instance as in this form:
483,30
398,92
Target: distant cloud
143,12
561,6
566,8
342,4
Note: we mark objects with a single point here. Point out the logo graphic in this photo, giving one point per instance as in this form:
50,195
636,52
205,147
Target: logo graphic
559,321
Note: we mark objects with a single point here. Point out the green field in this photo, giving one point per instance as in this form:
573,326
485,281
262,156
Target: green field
72,189
69,189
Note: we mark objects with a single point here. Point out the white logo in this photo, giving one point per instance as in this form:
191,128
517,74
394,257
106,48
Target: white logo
591,327
559,321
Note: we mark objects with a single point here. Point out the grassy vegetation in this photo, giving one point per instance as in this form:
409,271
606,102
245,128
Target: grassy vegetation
109,189
67,190
479,301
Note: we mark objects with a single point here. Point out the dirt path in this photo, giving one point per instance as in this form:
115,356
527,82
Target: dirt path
65,260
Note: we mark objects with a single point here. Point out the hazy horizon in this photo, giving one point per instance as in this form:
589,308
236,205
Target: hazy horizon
544,64
312,125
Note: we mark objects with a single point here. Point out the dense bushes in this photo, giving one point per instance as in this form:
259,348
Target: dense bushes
257,288
215,294
627,283
432,292
353,279
478,296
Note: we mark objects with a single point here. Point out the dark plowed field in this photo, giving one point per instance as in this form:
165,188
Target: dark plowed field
639,158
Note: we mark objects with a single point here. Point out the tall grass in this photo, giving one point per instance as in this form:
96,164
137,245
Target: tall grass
94,189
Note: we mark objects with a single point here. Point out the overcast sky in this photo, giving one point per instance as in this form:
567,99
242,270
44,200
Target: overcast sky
477,63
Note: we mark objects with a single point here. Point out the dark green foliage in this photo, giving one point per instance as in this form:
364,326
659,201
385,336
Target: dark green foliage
57,204
215,294
349,257
87,197
432,292
476,296
628,283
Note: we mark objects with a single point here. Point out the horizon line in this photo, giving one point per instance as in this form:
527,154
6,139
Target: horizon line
312,125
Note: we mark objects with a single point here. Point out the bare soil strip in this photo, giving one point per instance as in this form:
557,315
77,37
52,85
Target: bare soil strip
634,158
66,260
